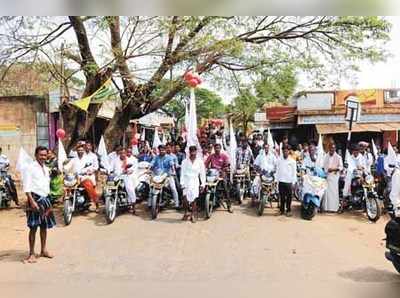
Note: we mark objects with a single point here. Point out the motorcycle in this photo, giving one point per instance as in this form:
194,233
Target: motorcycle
241,182
268,191
5,197
75,197
214,193
392,230
313,189
115,195
143,188
363,196
160,195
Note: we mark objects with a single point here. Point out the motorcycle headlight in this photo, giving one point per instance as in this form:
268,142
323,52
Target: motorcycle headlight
69,181
267,179
158,179
369,179
211,179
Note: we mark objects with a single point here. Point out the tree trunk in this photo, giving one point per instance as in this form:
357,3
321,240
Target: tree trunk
77,123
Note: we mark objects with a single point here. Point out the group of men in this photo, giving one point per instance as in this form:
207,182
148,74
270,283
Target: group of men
186,173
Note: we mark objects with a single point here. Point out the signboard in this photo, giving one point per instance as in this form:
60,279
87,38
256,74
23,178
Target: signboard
353,109
315,101
280,113
260,117
332,119
365,97
54,100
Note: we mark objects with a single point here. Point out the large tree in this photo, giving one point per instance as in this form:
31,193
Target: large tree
139,52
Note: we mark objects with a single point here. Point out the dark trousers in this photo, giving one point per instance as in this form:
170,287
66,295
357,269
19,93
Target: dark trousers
12,189
285,194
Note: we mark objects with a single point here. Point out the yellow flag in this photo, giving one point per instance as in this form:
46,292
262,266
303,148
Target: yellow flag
82,103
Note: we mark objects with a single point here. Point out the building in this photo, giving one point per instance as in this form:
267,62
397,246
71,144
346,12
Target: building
23,123
322,112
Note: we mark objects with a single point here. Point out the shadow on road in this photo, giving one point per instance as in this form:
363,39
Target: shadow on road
10,256
370,274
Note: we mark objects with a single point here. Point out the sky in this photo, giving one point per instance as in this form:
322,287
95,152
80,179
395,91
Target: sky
383,74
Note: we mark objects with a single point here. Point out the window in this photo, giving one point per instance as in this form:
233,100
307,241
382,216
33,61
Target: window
392,96
42,129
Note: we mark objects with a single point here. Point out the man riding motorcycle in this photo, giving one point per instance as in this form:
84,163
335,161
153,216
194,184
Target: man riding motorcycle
265,162
81,166
165,164
128,166
9,182
244,160
220,162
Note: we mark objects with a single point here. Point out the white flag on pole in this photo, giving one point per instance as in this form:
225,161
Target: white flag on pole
391,156
232,150
102,151
320,153
23,162
374,149
270,142
61,155
156,140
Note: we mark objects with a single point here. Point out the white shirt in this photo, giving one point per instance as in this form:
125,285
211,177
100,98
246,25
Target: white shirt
266,162
192,171
37,180
92,157
286,170
4,161
78,166
117,165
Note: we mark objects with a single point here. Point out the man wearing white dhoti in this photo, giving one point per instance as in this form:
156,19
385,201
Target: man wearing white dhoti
356,161
266,161
127,166
193,179
333,164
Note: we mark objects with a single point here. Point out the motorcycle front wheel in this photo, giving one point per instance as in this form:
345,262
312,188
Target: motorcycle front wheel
154,206
111,209
372,208
261,204
208,202
67,211
396,262
308,212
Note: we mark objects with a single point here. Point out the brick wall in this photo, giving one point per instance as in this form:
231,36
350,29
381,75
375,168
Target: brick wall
18,125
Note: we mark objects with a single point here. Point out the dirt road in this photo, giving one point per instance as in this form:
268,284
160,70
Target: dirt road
237,255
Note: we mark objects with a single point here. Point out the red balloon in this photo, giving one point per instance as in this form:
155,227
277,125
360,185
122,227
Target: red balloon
193,83
188,76
60,133
198,79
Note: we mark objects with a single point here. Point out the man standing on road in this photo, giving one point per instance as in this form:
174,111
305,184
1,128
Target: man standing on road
39,213
193,172
333,164
286,176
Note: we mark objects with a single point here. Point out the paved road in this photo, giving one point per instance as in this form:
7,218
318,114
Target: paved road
238,254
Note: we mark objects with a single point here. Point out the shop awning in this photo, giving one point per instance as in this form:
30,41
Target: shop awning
357,127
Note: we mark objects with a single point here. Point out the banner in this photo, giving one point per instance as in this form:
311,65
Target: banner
99,96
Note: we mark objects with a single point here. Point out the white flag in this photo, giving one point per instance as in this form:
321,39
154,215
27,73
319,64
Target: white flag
320,153
102,151
270,142
143,135
374,149
61,155
232,150
23,162
391,156
156,140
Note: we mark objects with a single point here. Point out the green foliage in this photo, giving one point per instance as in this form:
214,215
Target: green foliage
276,88
208,104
